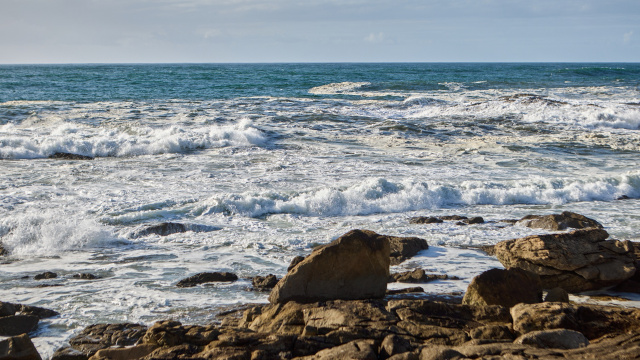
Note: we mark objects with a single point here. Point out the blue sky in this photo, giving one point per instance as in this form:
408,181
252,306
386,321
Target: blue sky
161,31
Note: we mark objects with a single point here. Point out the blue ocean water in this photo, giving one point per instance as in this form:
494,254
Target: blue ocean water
267,160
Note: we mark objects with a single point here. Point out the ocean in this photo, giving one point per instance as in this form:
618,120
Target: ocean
262,162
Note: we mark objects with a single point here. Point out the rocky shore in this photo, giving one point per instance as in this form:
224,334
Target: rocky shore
334,304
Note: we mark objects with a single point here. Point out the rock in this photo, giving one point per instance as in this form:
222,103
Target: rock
394,345
623,197
3,251
14,325
492,332
453,217
474,220
418,276
504,287
85,276
579,260
206,277
7,309
410,290
355,350
403,248
264,283
555,339
488,249
69,353
128,353
69,156
355,266
439,353
593,321
295,261
556,295
18,348
559,221
46,275
103,336
41,313
168,228
425,220
173,333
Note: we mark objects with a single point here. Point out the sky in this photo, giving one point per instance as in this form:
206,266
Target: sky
223,31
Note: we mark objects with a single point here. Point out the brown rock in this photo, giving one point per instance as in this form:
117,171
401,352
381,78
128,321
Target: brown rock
453,217
102,336
355,350
172,333
41,313
46,275
504,287
593,321
576,261
559,221
264,283
403,248
18,348
295,261
355,266
555,339
418,276
7,309
394,345
425,220
3,251
14,325
492,332
557,295
69,353
127,353
206,277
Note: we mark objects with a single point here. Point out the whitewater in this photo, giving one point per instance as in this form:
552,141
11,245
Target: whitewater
263,162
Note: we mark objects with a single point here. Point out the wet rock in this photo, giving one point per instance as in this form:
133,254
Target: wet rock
46,275
295,261
264,283
103,336
172,333
576,261
623,197
354,266
556,295
474,220
3,251
206,277
555,339
559,221
18,348
425,220
419,276
453,217
69,156
593,321
14,325
403,248
7,309
411,290
168,228
85,276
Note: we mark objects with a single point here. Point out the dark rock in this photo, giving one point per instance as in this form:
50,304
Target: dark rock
133,352
264,283
403,248
168,228
7,309
103,336
492,332
85,276
357,349
173,333
14,325
504,287
576,261
509,221
354,266
69,156
623,197
69,353
425,220
41,313
410,290
555,339
18,348
394,345
488,249
46,275
295,261
419,276
453,217
559,221
474,220
557,295
206,277
3,251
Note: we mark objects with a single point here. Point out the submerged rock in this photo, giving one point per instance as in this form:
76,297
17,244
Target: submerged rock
425,220
18,348
85,276
264,283
69,156
559,221
579,260
504,287
168,228
46,275
354,266
206,277
419,276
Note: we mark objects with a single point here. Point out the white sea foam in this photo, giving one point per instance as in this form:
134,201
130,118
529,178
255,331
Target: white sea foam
37,142
338,88
383,196
52,231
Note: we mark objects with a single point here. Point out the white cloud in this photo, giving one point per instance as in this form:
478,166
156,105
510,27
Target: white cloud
375,38
627,37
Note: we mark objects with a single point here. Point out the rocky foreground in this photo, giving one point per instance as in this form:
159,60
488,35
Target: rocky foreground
333,304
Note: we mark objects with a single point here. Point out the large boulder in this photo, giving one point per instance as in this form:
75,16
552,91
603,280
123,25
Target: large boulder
355,266
18,348
559,221
579,260
17,324
402,248
504,287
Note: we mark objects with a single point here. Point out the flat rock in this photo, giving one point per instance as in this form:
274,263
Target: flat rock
206,277
14,325
419,276
354,266
559,221
555,339
504,287
18,348
576,261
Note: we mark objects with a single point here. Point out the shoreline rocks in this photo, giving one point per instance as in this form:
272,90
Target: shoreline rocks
504,287
556,222
207,277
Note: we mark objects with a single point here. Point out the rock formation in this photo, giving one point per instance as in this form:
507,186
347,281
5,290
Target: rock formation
504,287
559,221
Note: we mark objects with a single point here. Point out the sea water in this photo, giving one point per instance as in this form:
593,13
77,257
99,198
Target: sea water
270,160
